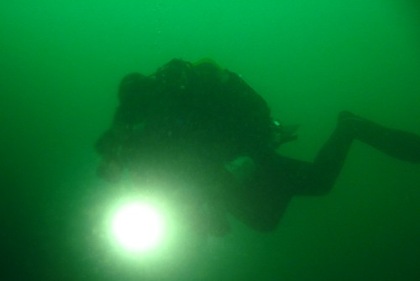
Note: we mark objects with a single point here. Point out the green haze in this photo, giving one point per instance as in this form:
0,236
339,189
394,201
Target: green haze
61,62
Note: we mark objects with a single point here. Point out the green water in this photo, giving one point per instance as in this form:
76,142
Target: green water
60,64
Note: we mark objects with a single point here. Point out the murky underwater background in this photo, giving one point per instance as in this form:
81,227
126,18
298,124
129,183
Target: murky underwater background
60,64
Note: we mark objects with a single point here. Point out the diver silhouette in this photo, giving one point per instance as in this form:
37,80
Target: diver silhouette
199,123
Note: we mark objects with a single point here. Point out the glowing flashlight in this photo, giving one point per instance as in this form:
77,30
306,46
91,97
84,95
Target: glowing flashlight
137,227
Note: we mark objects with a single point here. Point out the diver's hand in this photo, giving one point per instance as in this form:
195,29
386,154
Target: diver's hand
242,168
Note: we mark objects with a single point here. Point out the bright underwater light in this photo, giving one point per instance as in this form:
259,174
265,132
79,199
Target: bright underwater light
137,227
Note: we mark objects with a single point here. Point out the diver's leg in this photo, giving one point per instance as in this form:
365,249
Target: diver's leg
265,195
278,178
318,178
402,145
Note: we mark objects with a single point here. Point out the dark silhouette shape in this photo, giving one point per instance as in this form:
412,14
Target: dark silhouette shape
205,124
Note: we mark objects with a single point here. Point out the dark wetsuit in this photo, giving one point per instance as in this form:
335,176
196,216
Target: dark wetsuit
189,120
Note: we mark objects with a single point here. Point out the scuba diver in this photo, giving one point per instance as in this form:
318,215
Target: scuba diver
198,125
